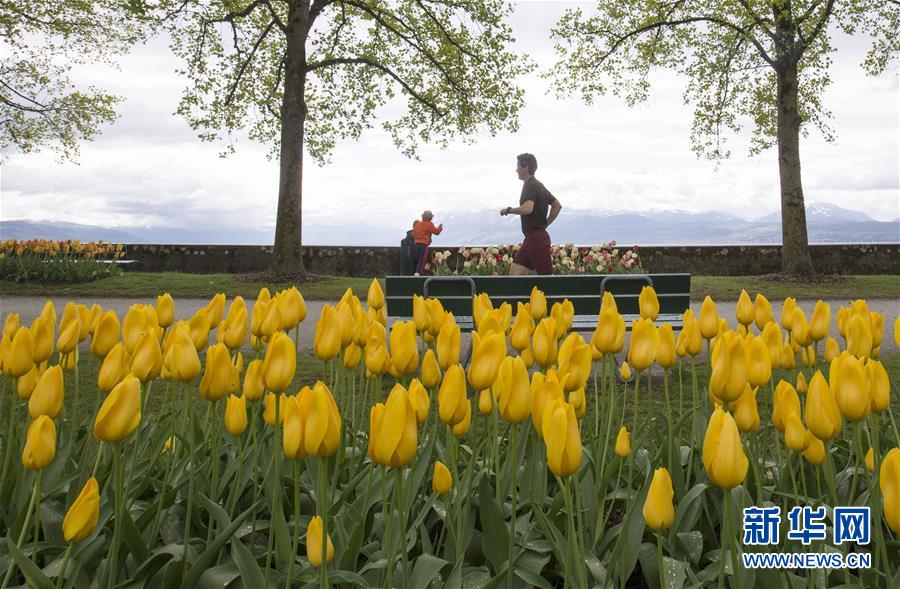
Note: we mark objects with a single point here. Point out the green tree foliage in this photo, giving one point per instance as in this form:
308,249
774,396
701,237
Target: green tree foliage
302,75
759,62
40,42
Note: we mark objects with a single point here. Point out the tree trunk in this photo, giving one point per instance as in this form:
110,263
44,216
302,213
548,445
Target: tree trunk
794,239
288,225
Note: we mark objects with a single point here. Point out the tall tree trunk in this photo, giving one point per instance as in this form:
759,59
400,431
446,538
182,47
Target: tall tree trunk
794,239
288,225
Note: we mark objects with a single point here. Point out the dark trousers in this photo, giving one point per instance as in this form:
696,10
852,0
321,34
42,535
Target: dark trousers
421,255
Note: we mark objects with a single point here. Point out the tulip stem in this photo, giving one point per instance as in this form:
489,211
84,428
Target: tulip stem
725,537
401,508
386,515
276,495
10,430
298,465
118,466
34,495
189,416
513,470
61,579
659,554
323,507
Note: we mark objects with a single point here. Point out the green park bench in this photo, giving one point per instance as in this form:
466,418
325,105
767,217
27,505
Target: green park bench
585,291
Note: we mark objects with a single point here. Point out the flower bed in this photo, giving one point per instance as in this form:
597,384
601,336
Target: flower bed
58,261
567,259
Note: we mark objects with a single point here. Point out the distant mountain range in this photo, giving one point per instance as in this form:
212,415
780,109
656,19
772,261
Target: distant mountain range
827,223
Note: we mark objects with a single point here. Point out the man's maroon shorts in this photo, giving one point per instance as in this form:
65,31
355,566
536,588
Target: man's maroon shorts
535,252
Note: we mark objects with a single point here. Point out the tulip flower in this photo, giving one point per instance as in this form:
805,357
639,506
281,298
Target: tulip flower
709,319
259,312
879,386
723,456
544,391
81,518
823,418
579,402
220,377
253,381
378,361
448,343
537,304
897,332
644,343
236,415
859,336
269,408
314,543
665,350
648,303
574,360
420,313
832,350
794,433
605,334
352,356
420,400
745,312
821,321
436,317
146,363
296,410
562,437
394,431
280,363
786,401
889,481
481,304
375,296
659,510
106,334
25,384
120,413
68,335
762,312
452,399
236,324
42,338
184,361
800,330
523,327
165,309
746,412
327,343
562,313
133,327
623,443
625,372
515,401
47,397
344,312
11,325
759,364
40,443
19,361
787,313
815,449
404,348
322,430
851,391
113,369
431,372
441,481
870,460
485,402
544,346
487,354
771,335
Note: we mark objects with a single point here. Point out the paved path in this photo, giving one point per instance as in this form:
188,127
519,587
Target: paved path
29,307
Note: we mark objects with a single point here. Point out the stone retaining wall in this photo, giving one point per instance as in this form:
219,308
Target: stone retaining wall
727,260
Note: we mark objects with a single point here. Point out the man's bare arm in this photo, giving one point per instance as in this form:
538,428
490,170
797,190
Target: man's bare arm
524,209
554,211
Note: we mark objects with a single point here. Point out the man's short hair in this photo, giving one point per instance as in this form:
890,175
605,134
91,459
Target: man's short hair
526,160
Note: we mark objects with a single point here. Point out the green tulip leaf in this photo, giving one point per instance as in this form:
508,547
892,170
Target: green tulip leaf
208,556
133,539
495,540
215,510
691,544
35,576
426,568
220,576
251,573
354,542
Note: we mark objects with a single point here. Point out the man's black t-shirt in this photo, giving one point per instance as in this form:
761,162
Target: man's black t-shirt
533,190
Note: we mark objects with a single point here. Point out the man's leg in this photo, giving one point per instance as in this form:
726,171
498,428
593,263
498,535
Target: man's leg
517,269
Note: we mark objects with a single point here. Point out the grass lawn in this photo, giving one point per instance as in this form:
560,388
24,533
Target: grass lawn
179,285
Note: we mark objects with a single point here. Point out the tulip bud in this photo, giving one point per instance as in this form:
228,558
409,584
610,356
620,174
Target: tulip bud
280,363
823,418
394,431
523,327
146,364
47,397
745,312
625,372
832,350
870,460
859,335
420,400
404,348
11,325
544,344
448,342
648,303
787,313
709,320
759,369
452,396
113,369
537,304
236,415
69,333
851,391
375,296
314,550
762,312
563,314
485,402
815,449
606,333
120,413
794,433
623,443
723,456
322,429
746,412
889,481
515,401
659,510
165,310
441,481
665,351
562,437
25,384
431,372
574,360
184,361
879,386
106,334
487,354
820,323
220,377
81,518
40,443
253,382
19,361
481,304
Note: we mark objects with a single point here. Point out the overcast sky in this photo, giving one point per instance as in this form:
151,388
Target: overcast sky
150,169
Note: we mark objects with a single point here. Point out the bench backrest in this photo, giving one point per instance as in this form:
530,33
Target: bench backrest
585,291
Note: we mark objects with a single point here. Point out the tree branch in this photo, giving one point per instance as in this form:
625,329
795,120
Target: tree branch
315,10
449,37
246,62
757,19
820,26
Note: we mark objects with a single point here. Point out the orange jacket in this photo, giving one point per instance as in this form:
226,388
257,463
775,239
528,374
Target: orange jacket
423,230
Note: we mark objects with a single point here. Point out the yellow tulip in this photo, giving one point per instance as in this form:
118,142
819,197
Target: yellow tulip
787,313
746,412
544,346
659,511
280,363
897,331
404,348
606,333
378,361
665,350
879,386
794,433
113,369
394,431
236,415
745,312
523,327
815,449
431,372
759,364
47,397
42,338
832,350
68,334
800,331
788,357
537,304
133,327
236,323
40,444
296,413
786,401
198,330
361,326
820,323
420,313
81,518
562,313
376,416
84,322
146,363
375,296
870,460
579,402
11,325
344,312
220,378
709,319
269,408
25,384
487,354
314,550
562,437
481,304
184,362
292,308
253,381
420,400
436,317
859,336
723,455
771,335
322,430
352,356
448,342
515,401
574,360
441,481
889,481
452,399
623,443
120,413
544,392
625,372
802,387
485,402
762,312
851,391
165,309
48,312
20,360
106,334
823,418
259,312
648,303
